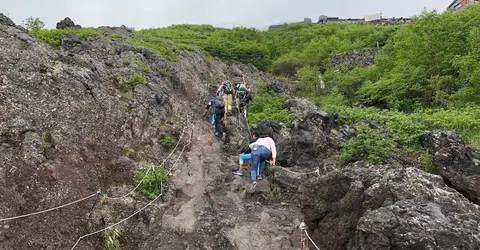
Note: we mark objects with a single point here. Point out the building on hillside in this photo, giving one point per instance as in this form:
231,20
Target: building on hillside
326,19
373,19
459,5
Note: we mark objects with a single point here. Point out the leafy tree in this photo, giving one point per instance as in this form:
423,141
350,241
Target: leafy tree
33,25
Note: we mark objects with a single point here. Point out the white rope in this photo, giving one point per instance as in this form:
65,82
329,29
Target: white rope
185,146
150,203
48,210
317,171
115,224
311,240
133,190
150,168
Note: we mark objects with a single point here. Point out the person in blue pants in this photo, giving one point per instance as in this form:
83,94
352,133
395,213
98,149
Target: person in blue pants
262,150
245,156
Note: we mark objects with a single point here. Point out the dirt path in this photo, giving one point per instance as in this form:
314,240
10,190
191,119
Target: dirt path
212,209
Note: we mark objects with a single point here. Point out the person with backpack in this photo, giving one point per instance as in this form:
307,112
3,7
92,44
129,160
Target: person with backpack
245,156
262,150
226,90
241,91
219,111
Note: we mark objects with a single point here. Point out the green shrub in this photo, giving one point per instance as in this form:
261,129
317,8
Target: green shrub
407,129
140,64
156,45
370,145
44,138
54,37
268,106
111,237
167,142
33,25
427,164
133,80
151,184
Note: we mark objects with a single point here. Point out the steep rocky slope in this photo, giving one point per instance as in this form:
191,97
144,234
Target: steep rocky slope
69,126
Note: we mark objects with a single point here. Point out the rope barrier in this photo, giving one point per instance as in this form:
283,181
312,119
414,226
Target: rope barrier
151,168
317,171
308,236
303,227
115,224
48,210
150,203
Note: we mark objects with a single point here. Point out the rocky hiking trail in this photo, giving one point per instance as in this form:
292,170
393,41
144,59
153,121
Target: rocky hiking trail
68,127
213,208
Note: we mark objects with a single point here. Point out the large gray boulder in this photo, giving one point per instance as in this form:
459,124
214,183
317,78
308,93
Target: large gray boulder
306,141
67,23
384,207
455,162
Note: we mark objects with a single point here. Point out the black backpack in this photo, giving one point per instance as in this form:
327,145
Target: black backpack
227,89
219,104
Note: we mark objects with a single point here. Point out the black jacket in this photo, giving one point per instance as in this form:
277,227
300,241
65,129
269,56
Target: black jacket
247,149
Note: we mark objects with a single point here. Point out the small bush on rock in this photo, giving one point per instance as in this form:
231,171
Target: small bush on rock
268,106
151,185
54,37
370,145
132,81
111,237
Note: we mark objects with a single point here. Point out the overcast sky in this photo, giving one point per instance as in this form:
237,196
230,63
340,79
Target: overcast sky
222,13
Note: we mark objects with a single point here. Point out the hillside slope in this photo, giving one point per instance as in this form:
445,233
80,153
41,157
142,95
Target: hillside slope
87,115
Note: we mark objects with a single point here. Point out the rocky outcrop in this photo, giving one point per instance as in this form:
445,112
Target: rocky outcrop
67,23
386,207
70,126
354,58
121,31
454,161
305,142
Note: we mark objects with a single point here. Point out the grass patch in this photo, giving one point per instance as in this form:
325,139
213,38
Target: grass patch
140,64
111,238
150,187
370,145
44,139
155,45
168,142
427,164
54,36
267,105
130,84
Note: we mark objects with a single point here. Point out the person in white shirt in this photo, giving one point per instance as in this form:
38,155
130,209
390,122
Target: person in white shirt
262,150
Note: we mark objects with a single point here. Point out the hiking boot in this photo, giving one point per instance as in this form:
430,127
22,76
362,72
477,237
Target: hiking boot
260,177
238,172
224,135
216,133
252,188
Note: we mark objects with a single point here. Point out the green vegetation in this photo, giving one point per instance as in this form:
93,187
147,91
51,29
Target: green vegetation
427,164
111,238
54,36
130,83
370,145
167,142
44,139
33,25
151,185
140,64
426,76
267,105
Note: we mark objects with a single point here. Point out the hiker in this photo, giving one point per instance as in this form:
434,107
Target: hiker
226,90
262,150
245,156
240,91
218,113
